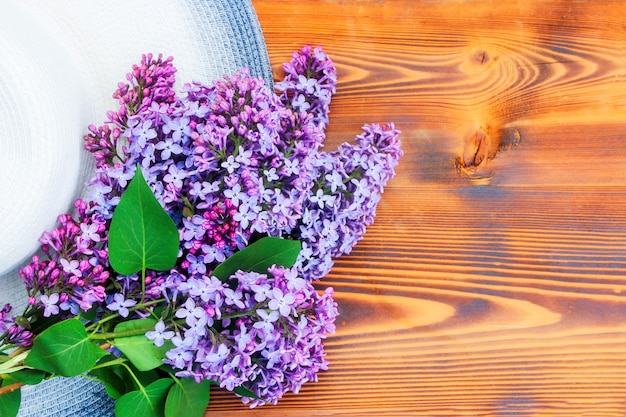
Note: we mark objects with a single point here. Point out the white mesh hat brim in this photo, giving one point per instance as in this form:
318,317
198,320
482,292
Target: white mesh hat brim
61,62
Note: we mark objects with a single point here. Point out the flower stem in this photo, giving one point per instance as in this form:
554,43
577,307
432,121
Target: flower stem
250,312
118,361
137,381
95,326
17,352
127,333
10,388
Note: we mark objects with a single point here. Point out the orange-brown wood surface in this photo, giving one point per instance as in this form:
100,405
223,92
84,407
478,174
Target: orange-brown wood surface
493,282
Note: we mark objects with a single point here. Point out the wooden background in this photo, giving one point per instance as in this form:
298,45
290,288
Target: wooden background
493,282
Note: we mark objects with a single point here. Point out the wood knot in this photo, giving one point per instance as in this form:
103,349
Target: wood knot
481,57
479,147
478,60
477,150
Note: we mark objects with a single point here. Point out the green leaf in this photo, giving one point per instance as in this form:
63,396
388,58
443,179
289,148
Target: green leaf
259,256
141,236
29,376
90,314
113,383
140,379
115,377
145,402
64,349
121,379
188,398
245,392
140,350
10,403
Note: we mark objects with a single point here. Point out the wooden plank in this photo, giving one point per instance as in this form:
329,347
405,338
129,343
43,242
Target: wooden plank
493,287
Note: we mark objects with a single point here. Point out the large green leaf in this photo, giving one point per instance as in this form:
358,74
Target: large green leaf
140,350
64,349
188,398
142,236
146,402
259,256
10,403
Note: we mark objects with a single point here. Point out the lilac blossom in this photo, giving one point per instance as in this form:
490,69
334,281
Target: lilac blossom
19,336
75,270
121,305
49,303
159,335
281,302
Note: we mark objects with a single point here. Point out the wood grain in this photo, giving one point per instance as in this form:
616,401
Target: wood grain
486,287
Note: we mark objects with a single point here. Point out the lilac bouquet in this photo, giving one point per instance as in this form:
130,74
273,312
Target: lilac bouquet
192,259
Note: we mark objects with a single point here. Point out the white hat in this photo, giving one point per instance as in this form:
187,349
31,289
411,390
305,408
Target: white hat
61,62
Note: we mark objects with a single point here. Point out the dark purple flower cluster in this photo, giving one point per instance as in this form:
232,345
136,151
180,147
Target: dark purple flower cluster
73,274
229,162
5,318
150,84
13,334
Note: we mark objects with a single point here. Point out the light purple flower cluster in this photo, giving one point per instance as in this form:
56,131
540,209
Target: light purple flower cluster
309,83
261,331
230,162
348,186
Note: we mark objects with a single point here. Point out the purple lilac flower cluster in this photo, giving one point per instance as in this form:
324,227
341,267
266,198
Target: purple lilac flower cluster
309,83
226,161
72,275
230,162
261,331
348,186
